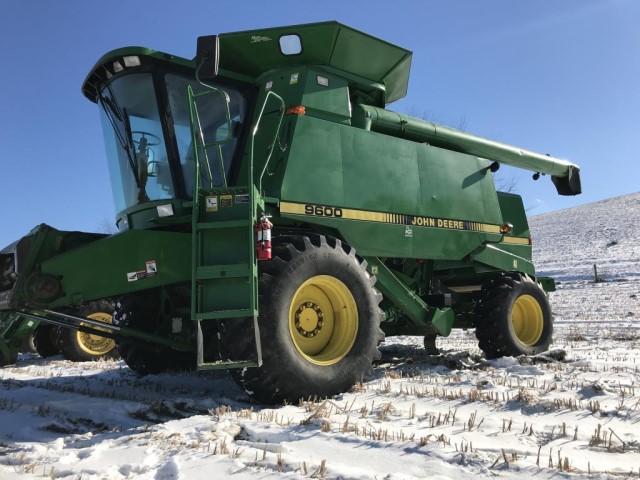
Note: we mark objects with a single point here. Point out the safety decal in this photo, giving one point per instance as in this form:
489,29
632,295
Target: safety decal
226,200
151,267
150,270
242,198
211,203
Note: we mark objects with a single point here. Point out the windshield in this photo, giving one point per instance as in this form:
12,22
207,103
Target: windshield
139,161
136,151
212,112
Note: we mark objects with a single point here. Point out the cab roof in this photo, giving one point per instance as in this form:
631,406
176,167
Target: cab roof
254,52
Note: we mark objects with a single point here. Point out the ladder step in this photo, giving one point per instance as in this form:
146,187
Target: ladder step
222,314
224,271
222,224
227,364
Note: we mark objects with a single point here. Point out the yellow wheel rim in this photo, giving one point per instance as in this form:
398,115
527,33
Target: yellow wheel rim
527,320
94,344
323,320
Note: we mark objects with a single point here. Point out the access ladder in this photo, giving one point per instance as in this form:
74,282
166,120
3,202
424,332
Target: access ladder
224,264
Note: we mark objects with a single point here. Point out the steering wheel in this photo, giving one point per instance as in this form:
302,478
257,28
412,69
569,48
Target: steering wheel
155,140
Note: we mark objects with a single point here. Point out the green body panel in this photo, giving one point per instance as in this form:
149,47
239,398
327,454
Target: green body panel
513,212
145,216
498,258
352,168
329,102
101,268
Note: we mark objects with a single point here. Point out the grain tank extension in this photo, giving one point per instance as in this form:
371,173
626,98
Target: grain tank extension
276,220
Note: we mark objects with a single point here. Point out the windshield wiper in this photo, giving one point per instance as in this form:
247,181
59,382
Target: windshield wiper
112,109
140,157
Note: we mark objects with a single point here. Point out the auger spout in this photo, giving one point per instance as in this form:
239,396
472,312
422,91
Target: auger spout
565,175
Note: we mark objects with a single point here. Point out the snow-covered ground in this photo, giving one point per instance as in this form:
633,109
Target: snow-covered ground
453,416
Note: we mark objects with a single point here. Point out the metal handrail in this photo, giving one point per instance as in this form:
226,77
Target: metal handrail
275,137
195,118
219,91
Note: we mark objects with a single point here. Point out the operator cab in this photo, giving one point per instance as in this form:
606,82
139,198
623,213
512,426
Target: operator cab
146,123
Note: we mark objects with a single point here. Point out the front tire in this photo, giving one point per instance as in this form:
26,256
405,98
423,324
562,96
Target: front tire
143,311
78,346
319,322
44,340
513,318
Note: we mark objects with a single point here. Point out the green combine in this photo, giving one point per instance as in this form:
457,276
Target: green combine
274,219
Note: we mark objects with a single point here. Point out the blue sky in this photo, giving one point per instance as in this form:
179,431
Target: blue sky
555,77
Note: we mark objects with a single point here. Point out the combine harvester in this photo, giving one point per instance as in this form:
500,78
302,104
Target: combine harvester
275,219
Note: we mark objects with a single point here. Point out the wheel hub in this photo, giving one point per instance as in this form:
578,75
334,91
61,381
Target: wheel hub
94,344
323,320
527,320
309,319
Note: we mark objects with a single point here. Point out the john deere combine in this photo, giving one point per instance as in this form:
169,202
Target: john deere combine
275,219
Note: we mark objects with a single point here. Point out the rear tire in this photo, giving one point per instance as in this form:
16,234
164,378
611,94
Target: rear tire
44,340
143,311
83,347
513,317
319,322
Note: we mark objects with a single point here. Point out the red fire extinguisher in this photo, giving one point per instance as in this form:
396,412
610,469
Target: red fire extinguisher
263,238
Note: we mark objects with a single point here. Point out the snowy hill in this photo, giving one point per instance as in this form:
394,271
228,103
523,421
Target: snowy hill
568,242
566,245
453,416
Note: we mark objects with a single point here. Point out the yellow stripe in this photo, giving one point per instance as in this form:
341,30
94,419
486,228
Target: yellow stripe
295,208
488,228
385,217
362,215
516,240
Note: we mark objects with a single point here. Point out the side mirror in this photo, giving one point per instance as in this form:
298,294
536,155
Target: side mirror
208,56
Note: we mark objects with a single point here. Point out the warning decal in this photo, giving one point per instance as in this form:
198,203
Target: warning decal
150,269
211,203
